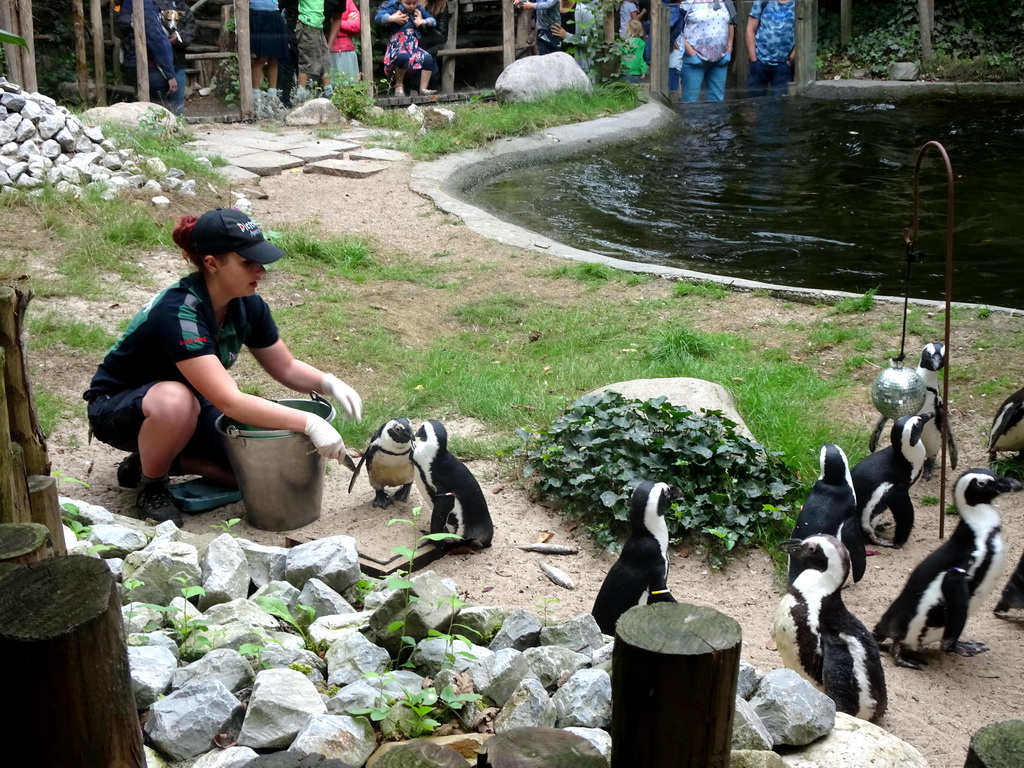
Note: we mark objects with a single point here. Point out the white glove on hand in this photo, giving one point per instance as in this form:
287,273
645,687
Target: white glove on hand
347,397
325,437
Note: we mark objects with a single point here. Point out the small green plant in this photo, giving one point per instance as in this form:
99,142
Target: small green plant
545,609
253,652
734,491
69,515
183,626
929,500
853,304
300,622
352,99
707,290
984,313
225,526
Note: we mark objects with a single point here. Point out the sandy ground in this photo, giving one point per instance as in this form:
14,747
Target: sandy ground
936,709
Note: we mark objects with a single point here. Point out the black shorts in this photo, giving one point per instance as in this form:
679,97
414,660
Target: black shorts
116,419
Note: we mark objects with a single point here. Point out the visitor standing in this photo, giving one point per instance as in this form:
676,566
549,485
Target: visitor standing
180,25
402,22
163,81
547,16
345,25
313,52
634,67
771,41
629,11
709,30
268,45
584,37
433,39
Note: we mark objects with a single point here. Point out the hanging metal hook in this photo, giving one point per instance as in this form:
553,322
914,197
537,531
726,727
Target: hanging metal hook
910,237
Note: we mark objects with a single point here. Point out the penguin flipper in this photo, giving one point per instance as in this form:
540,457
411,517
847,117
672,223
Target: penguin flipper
444,505
877,433
853,539
837,674
954,452
902,508
956,593
1013,592
355,472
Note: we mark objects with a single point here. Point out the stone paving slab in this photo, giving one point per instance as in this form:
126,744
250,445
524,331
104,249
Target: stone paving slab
349,168
227,151
234,173
275,144
378,153
336,145
315,154
267,163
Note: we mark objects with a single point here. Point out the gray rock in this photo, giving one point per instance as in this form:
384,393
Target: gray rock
323,600
50,149
584,701
188,187
521,630
28,182
282,700
94,133
602,657
83,145
6,133
28,149
902,70
158,565
132,115
266,564
151,670
751,758
327,629
138,181
275,656
31,111
432,609
139,617
358,695
553,664
352,656
534,77
314,112
749,679
232,757
13,102
5,180
50,125
498,675
599,737
241,611
120,539
334,560
341,737
793,711
154,166
225,572
183,724
857,742
287,593
161,638
437,653
112,161
66,140
225,665
160,201
480,623
529,706
748,732
580,634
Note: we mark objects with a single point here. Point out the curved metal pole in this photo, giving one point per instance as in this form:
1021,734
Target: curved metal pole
911,238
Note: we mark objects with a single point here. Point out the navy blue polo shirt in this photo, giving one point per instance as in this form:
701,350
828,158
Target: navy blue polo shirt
178,324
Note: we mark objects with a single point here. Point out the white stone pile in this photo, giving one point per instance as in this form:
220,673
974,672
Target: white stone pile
42,143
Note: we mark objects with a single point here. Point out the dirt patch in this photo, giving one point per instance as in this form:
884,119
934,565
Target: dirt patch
936,709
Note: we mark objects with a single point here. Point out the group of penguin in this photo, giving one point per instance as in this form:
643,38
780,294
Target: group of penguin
396,458
814,632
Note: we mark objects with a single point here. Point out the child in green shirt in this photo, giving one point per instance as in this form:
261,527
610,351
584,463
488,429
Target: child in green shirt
633,65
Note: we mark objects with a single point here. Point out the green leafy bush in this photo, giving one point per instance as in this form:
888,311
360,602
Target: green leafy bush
734,491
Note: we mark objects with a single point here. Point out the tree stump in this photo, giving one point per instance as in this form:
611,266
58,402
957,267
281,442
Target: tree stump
541,748
23,543
71,697
674,673
999,745
420,754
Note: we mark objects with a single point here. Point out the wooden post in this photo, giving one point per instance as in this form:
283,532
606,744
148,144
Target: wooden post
542,748
81,60
448,68
845,21
660,47
99,55
8,511
23,543
245,102
45,506
366,44
115,56
12,53
997,745
24,428
508,34
740,59
28,54
925,12
674,673
61,619
806,44
141,52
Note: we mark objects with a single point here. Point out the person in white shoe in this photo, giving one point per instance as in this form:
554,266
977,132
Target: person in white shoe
161,387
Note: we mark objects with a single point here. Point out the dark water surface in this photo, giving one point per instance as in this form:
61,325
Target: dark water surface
798,192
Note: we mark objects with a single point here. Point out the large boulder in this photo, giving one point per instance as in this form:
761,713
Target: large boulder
534,77
855,742
132,114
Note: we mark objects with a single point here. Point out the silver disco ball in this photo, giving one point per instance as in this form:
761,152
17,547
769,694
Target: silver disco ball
898,391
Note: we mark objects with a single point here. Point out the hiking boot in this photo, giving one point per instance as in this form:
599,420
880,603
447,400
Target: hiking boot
156,505
129,471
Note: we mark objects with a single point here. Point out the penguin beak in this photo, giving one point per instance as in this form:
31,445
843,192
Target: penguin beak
790,545
673,492
1008,485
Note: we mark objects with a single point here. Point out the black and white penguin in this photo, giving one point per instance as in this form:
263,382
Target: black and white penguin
449,489
831,507
949,585
1008,426
388,461
819,638
933,360
882,480
1013,592
640,575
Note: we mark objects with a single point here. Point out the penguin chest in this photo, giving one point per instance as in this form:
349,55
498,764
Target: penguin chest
1012,438
987,570
387,470
928,622
797,638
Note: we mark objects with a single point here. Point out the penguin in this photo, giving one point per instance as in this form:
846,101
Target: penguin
449,489
388,462
1013,592
820,639
882,480
1008,426
831,507
949,585
640,574
933,360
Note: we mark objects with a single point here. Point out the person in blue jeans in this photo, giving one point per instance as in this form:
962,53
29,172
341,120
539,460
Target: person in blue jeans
771,40
707,40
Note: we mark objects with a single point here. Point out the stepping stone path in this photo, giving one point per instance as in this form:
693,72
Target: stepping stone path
252,153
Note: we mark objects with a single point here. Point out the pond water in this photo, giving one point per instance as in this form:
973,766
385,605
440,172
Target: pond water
798,192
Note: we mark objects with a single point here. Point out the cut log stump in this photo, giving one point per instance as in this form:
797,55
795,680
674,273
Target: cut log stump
541,748
674,673
61,620
998,745
421,754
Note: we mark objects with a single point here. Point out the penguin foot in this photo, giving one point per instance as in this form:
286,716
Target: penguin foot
966,649
878,541
381,500
905,658
929,468
402,494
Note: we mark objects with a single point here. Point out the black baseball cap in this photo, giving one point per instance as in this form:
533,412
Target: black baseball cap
227,229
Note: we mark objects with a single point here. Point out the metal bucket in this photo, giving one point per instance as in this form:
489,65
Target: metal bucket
279,472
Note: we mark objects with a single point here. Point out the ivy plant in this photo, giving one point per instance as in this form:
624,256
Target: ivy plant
735,492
